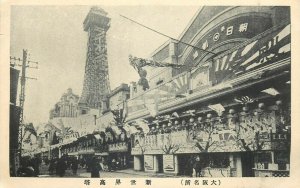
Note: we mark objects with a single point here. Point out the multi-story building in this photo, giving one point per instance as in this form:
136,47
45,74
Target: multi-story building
228,105
67,106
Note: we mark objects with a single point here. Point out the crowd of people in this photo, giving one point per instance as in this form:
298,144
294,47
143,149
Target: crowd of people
30,166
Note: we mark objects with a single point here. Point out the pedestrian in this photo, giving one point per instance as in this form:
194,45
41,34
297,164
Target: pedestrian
197,166
51,166
95,168
36,161
189,167
113,164
61,167
74,166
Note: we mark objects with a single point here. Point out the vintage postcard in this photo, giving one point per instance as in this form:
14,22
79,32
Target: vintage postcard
140,94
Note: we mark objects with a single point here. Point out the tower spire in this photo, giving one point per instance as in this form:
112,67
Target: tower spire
96,81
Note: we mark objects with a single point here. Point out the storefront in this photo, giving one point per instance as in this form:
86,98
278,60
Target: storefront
232,105
119,153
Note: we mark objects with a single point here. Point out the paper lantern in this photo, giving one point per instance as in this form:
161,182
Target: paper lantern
261,105
192,120
245,108
279,102
231,111
208,116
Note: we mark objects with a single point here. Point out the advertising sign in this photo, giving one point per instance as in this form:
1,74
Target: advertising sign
149,162
270,47
118,147
169,163
237,29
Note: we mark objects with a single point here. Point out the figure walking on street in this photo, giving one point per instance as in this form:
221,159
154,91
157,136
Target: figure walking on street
95,168
74,166
197,166
61,167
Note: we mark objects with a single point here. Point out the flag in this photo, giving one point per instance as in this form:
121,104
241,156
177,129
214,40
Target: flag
244,100
175,114
133,129
271,91
126,127
218,108
116,130
143,124
152,108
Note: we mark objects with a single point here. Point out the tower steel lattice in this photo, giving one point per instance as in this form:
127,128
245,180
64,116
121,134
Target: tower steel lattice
96,81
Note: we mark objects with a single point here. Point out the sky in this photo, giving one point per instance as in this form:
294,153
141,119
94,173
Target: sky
54,37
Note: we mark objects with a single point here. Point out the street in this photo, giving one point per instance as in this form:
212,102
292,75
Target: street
82,173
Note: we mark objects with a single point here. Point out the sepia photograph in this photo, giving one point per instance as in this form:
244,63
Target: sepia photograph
195,93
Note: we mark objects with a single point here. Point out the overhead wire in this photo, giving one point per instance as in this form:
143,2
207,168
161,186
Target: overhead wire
160,33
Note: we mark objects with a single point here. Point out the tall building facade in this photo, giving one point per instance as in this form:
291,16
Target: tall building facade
96,83
67,106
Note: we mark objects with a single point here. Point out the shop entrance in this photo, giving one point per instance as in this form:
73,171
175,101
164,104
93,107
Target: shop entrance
160,163
247,159
185,165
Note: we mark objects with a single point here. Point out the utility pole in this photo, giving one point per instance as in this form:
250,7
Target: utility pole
22,100
24,66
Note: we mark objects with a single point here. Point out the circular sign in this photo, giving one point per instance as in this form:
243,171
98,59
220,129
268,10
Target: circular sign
216,36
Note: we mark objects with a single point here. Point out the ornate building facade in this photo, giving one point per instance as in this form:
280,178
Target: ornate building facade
67,106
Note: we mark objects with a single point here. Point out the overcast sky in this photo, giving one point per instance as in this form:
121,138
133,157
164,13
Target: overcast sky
55,38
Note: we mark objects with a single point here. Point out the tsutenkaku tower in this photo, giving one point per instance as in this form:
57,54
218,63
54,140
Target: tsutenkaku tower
96,82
